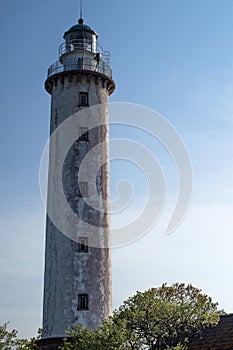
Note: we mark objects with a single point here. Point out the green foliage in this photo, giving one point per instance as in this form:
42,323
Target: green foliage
10,341
179,346
168,316
107,337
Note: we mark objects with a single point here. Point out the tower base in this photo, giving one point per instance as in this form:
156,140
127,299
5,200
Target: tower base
50,343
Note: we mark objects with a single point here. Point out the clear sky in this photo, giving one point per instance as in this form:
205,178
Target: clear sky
173,56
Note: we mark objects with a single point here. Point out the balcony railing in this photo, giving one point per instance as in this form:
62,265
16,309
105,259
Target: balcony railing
80,64
84,45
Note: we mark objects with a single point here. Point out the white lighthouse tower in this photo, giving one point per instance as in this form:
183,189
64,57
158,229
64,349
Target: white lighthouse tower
77,280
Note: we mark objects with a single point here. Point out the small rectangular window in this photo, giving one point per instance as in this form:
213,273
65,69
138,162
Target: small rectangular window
82,189
83,134
83,245
82,302
83,99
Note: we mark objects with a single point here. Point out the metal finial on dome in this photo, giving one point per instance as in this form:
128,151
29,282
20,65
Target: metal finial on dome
80,21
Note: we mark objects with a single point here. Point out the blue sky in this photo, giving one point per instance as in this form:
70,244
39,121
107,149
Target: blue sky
173,56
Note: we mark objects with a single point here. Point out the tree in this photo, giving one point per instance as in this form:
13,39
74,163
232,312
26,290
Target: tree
166,317
108,336
10,341
161,318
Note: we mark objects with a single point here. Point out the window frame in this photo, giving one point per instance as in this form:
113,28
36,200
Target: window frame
83,134
82,193
83,305
83,95
83,247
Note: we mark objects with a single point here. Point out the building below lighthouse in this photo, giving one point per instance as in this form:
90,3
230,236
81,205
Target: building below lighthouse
77,277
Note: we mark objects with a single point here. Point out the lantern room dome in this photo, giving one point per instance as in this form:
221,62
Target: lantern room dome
80,28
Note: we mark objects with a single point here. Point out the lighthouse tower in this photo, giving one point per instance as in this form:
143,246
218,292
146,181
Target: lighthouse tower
77,280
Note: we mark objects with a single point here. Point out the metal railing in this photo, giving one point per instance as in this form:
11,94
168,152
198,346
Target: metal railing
84,45
80,64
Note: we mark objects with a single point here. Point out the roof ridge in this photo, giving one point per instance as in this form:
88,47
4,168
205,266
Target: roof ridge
227,315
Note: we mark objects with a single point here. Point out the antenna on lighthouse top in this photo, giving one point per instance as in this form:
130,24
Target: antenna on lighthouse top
81,9
80,21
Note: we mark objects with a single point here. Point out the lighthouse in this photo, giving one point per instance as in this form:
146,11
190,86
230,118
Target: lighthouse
77,275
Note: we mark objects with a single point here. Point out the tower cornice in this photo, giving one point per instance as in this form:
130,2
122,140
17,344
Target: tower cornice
77,76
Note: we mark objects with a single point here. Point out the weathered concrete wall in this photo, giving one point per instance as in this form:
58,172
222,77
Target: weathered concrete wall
68,272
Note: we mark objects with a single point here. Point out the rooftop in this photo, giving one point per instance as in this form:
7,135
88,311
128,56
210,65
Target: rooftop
80,27
219,337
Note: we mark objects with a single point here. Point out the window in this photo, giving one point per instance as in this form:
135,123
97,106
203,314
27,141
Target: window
83,99
83,245
82,302
82,189
83,134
